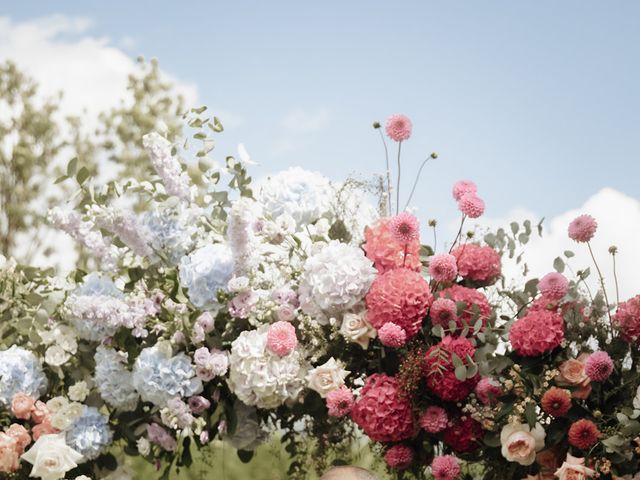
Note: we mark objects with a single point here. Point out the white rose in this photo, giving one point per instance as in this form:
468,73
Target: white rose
56,356
144,447
79,391
51,457
520,443
327,377
56,404
357,329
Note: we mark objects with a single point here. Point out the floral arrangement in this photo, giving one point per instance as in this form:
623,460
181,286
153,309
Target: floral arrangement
224,310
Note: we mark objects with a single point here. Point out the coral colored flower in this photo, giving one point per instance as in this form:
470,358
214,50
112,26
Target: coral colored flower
598,366
443,268
340,402
386,252
556,402
538,332
434,419
461,187
439,370
582,228
627,319
40,412
445,467
399,296
573,468
553,286
281,338
405,228
488,390
392,335
443,311
398,127
399,457
22,405
583,434
20,434
478,264
382,411
476,308
471,205
572,374
463,434
44,428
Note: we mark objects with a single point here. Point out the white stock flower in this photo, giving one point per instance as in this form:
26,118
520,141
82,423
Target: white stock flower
51,457
521,443
357,329
327,377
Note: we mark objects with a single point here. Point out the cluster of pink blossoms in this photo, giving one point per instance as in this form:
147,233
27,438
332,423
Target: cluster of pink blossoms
538,332
465,192
478,264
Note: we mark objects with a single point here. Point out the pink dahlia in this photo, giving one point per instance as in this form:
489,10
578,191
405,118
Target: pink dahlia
399,457
488,390
443,311
386,252
392,335
627,319
582,228
439,370
538,332
398,127
476,307
445,467
443,268
405,228
340,401
478,264
399,296
281,338
462,434
462,187
598,366
434,419
553,286
471,205
383,412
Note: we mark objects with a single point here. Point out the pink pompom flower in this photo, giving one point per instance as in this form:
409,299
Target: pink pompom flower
281,338
405,227
471,205
462,187
434,419
582,228
398,127
598,366
443,268
399,457
445,467
443,311
392,335
340,401
553,286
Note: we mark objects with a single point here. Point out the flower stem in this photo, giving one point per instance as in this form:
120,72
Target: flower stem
398,181
604,290
615,278
415,183
386,157
458,234
435,239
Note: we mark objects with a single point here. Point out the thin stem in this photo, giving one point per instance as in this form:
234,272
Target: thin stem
604,290
398,181
386,157
415,183
615,278
435,239
459,233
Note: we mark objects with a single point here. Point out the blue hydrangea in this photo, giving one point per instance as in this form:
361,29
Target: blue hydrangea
20,372
89,434
204,272
158,376
114,380
172,232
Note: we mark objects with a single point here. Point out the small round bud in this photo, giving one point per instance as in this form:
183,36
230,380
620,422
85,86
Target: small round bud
376,124
613,249
434,155
432,222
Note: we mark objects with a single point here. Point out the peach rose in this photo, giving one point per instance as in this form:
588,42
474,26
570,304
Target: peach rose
44,428
574,468
572,374
9,454
40,412
21,406
520,443
20,434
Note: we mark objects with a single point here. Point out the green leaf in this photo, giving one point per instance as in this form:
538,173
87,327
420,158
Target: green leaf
530,414
569,254
72,166
558,264
437,331
245,456
217,126
457,361
515,227
82,175
461,373
60,179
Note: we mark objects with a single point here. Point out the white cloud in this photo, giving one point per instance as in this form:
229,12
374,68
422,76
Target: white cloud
63,56
303,121
618,217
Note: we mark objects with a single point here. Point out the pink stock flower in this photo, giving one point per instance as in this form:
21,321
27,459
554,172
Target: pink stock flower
598,366
398,127
281,338
471,205
340,401
582,228
434,419
461,187
443,268
405,227
392,335
399,457
40,412
445,467
553,286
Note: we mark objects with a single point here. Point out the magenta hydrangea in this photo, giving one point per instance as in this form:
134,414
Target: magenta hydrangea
443,268
598,366
583,228
398,127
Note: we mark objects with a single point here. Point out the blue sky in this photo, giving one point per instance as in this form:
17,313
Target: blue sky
538,102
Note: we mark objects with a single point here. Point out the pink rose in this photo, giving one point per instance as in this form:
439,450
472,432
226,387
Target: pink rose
44,428
21,406
574,468
40,412
520,443
20,435
9,454
572,374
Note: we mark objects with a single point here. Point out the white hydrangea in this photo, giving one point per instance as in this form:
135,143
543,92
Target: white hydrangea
204,272
302,194
172,231
114,381
259,377
334,280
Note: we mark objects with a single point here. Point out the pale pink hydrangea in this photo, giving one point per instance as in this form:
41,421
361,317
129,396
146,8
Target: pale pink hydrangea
598,366
553,286
398,127
462,187
582,228
434,419
281,338
443,268
399,457
445,467
340,401
405,227
392,335
471,205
